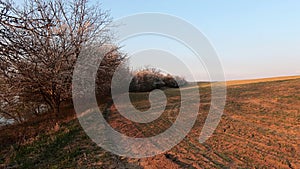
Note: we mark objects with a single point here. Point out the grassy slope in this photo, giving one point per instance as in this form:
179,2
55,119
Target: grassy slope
260,128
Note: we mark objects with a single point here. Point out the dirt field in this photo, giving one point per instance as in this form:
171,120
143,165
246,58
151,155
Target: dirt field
260,128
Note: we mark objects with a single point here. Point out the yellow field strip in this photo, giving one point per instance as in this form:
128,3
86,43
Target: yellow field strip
241,82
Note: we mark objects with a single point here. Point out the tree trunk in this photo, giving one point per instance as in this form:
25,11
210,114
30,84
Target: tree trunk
56,108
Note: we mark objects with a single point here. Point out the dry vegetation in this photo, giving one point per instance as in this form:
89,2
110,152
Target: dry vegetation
260,128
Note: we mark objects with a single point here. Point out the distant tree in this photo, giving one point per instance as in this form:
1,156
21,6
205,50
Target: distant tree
39,45
148,79
173,82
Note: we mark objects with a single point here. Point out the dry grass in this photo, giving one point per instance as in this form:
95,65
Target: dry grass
241,82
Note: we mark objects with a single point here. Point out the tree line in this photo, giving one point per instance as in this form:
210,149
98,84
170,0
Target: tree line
39,45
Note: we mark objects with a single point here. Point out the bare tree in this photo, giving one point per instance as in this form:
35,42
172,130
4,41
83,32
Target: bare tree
39,45
101,64
107,70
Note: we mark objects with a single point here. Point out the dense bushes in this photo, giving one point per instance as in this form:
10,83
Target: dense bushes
149,79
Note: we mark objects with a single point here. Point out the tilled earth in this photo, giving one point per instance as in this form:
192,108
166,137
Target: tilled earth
260,128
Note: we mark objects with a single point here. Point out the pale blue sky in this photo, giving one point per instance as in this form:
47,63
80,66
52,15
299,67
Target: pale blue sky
253,38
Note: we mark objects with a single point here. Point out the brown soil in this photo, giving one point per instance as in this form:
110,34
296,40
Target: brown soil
260,128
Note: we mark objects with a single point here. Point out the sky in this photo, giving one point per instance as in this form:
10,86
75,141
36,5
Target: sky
253,38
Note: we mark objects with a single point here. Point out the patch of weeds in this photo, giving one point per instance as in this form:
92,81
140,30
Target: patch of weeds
48,150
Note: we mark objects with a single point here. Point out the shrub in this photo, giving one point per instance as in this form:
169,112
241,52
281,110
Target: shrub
148,79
